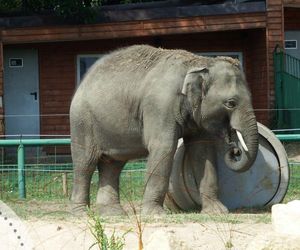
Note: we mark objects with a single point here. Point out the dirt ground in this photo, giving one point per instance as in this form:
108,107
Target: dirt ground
76,235
70,233
55,234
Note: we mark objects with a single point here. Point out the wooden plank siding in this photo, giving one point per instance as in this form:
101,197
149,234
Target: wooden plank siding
57,84
253,34
275,36
256,72
291,3
134,29
58,67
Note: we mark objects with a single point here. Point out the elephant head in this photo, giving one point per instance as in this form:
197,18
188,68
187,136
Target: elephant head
221,104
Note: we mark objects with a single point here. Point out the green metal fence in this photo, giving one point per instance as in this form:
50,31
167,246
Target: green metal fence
19,169
26,171
32,168
287,89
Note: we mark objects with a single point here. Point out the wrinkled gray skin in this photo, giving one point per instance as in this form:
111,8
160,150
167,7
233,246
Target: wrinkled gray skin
137,102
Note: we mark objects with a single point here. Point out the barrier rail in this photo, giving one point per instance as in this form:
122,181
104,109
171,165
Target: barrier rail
22,143
288,137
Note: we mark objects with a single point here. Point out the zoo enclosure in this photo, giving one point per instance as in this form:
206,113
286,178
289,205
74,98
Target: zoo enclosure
26,171
287,88
44,177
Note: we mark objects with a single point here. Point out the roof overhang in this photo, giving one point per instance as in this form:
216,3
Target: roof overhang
141,12
121,23
134,29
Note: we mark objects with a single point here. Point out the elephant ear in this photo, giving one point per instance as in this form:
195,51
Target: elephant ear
194,86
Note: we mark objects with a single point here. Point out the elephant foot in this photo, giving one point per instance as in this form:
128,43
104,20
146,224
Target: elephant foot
213,207
110,210
153,209
79,209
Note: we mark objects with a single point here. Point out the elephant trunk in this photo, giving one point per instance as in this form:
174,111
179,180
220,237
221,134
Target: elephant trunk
243,141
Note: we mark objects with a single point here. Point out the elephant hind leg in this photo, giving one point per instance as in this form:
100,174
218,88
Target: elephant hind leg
84,165
108,196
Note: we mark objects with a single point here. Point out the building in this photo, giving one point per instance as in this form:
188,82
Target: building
42,60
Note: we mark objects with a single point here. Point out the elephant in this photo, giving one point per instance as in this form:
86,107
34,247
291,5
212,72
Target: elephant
138,102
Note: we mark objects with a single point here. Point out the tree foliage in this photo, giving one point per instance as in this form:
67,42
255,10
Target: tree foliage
80,11
70,10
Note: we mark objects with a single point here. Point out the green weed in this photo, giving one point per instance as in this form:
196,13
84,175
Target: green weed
103,241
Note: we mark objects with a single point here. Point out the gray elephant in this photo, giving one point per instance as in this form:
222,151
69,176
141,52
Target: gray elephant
137,102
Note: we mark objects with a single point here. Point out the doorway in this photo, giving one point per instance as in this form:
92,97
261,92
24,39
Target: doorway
21,92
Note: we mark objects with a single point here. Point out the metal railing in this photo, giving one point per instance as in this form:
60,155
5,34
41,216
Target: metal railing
21,145
287,89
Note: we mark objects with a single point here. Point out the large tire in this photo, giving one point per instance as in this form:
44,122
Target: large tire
265,183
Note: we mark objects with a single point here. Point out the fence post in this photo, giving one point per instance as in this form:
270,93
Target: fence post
21,171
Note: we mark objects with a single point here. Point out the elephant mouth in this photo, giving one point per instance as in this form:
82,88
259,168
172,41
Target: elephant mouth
236,144
241,142
235,154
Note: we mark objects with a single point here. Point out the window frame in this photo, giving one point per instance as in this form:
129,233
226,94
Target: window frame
291,40
239,54
78,57
15,66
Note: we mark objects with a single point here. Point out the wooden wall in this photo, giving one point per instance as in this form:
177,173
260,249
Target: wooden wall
58,67
256,71
143,28
59,45
291,3
58,74
274,37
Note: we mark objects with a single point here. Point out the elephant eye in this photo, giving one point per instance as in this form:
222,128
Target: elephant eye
231,103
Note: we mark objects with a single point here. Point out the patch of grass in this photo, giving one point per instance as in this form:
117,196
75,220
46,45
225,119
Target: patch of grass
183,218
46,182
132,186
47,185
37,209
45,198
293,192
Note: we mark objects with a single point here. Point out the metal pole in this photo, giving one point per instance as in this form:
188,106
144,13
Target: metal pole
34,142
21,172
288,137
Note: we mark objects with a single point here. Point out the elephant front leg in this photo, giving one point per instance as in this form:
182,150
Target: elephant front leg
108,197
157,177
209,186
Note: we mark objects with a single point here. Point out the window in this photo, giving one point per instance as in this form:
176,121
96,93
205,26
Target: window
15,62
290,44
236,55
84,62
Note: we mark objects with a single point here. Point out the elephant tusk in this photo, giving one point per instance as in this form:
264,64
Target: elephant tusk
241,139
180,142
